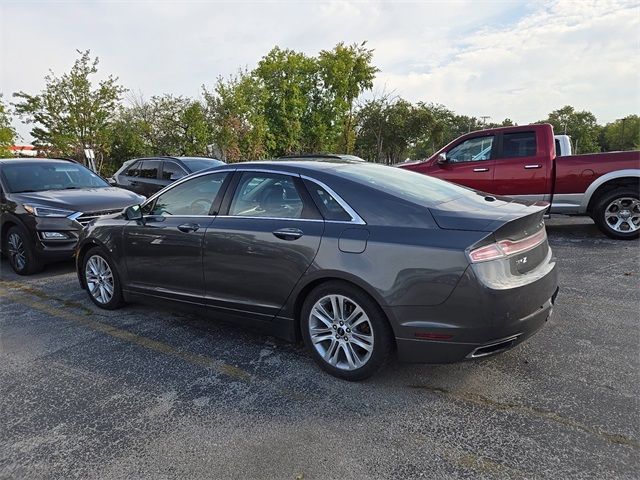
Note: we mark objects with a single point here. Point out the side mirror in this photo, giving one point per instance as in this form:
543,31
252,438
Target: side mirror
134,212
442,159
111,181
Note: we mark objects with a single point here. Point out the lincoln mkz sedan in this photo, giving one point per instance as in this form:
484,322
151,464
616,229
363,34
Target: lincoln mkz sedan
356,260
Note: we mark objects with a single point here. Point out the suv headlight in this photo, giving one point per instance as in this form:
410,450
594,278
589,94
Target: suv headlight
41,211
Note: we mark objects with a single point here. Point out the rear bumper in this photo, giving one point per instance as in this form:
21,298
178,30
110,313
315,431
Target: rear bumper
475,321
415,350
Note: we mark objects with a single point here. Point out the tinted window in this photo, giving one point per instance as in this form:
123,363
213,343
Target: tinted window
521,144
472,150
192,197
172,171
410,186
33,176
149,169
558,148
197,164
133,170
266,195
329,206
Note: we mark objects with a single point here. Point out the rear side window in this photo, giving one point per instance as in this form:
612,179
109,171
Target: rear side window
149,169
520,144
328,205
133,170
472,150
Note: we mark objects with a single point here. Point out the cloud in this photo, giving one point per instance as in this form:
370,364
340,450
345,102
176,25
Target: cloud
517,59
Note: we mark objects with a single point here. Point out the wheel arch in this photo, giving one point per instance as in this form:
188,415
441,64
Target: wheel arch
305,288
607,183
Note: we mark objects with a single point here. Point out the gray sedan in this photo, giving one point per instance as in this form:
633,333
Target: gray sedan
356,260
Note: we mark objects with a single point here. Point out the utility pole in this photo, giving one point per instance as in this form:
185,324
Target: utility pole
484,119
622,134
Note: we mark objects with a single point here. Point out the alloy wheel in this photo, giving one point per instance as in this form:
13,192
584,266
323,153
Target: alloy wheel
99,278
341,332
623,214
17,251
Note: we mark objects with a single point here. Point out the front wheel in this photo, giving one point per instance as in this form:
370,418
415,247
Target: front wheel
102,280
345,331
21,252
617,214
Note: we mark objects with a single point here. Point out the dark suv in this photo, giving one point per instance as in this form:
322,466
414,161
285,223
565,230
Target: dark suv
147,176
45,203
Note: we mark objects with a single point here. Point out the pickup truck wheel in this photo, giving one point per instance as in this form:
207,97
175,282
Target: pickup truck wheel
617,214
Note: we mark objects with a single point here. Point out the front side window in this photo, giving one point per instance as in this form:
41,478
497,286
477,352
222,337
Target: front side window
266,195
192,197
472,150
521,144
34,176
172,171
149,169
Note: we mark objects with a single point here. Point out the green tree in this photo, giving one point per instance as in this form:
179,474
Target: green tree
7,133
72,113
390,130
346,72
623,134
235,111
581,126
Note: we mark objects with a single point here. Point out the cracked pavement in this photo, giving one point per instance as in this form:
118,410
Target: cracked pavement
150,393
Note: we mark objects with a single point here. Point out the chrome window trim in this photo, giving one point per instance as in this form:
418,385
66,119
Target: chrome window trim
273,218
355,218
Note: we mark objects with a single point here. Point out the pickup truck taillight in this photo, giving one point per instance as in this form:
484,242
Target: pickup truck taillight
504,248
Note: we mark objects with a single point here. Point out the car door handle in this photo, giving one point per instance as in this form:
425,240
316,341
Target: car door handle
529,167
480,169
189,227
288,233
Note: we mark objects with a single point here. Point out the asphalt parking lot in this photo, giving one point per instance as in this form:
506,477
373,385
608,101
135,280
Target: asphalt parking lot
142,393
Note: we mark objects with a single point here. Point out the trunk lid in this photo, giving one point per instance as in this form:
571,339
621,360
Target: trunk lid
487,213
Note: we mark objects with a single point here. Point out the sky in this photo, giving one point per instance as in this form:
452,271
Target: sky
515,59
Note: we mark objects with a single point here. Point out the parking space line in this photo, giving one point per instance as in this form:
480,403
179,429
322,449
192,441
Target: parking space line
125,335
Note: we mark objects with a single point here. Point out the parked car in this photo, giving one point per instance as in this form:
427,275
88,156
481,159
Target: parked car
147,176
521,162
356,259
44,204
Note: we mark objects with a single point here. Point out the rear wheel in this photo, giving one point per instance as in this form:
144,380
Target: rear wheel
617,214
102,280
345,331
21,252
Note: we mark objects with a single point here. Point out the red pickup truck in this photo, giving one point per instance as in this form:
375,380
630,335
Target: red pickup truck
521,162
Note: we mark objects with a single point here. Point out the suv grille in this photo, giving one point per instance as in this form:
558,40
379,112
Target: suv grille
88,217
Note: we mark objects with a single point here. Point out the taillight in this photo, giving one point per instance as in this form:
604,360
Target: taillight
504,248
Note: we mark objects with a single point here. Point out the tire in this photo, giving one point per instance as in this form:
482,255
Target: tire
21,252
338,348
101,279
617,213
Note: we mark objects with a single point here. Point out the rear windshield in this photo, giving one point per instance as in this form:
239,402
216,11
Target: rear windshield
411,186
40,176
197,164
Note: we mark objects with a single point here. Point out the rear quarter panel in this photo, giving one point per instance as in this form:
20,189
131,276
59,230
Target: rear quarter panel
575,173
